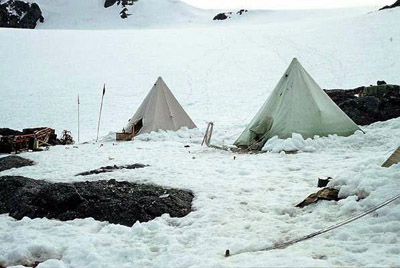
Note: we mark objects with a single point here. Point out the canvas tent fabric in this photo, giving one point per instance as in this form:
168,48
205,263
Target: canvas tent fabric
296,105
159,111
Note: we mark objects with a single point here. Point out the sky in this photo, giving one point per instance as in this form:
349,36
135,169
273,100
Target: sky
285,4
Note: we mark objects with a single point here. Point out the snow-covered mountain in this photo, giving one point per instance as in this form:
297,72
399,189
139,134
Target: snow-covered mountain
91,14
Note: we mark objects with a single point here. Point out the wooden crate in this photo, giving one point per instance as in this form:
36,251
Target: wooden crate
124,136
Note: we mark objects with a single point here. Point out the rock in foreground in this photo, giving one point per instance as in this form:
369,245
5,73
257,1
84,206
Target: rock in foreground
116,202
14,161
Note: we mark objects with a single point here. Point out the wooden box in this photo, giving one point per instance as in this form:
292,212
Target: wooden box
124,136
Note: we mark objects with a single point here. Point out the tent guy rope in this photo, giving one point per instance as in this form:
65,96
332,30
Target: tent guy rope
306,237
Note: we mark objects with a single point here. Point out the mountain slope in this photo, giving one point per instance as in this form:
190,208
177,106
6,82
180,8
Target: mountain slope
91,14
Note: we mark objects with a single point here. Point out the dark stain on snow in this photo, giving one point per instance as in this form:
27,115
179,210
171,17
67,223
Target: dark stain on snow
107,169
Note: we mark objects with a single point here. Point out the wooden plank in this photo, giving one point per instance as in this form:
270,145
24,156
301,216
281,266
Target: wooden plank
208,134
393,159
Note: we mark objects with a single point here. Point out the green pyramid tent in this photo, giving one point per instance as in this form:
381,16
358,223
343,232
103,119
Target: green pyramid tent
297,105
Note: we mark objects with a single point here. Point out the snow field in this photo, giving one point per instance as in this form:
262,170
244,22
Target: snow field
247,203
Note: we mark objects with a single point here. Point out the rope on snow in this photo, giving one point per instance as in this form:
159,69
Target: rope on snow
294,241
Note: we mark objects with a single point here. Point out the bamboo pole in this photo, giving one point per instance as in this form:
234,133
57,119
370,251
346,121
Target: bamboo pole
101,108
78,119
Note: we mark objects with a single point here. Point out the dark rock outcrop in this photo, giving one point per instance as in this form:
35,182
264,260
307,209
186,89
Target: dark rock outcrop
107,169
228,15
19,14
124,3
9,132
341,95
324,194
396,4
240,12
124,13
367,105
363,111
369,109
14,161
109,3
116,202
222,16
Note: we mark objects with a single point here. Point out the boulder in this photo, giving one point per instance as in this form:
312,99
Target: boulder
116,202
228,15
14,161
19,14
381,82
220,16
124,13
240,12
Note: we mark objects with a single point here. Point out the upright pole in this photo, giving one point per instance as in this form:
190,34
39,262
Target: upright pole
78,118
101,108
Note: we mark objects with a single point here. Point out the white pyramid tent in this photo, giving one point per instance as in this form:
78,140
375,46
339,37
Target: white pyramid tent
297,105
159,110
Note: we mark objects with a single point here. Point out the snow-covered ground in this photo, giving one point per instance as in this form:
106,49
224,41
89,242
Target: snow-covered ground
221,72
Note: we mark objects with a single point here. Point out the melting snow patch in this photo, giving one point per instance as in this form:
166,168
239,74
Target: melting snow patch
295,143
30,255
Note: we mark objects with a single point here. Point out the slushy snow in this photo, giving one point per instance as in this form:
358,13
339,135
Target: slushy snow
221,72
